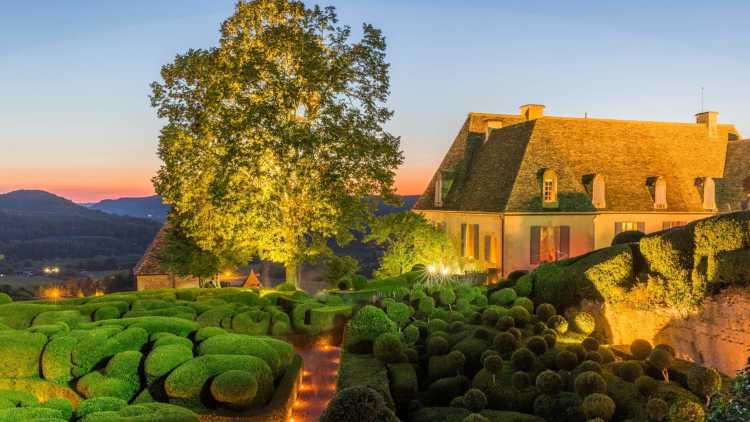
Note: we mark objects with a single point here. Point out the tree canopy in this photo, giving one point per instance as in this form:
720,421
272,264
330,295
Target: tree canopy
274,137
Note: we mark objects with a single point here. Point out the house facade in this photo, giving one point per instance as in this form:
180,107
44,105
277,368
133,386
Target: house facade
515,190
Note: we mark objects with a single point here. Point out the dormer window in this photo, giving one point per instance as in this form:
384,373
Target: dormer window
708,192
549,189
492,125
443,185
660,193
598,192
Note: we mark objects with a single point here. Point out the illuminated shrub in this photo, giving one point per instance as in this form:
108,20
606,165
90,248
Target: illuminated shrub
401,313
63,405
578,350
598,405
628,236
588,383
214,316
358,403
302,318
514,276
165,339
722,233
607,355
56,359
145,412
520,315
410,334
20,353
686,411
554,284
524,286
207,332
446,296
280,328
101,344
558,323
475,400
255,322
640,349
72,318
704,382
106,312
368,323
522,359
549,382
437,345
157,324
661,360
537,345
161,360
670,254
521,380
17,398
584,323
388,348
120,378
503,297
426,305
550,339
525,303
647,385
235,388
545,311
238,344
30,414
99,404
437,325
185,384
286,287
629,370
657,410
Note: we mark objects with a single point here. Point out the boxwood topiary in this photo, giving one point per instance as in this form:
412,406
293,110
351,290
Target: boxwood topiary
18,398
590,344
437,345
503,297
629,370
102,344
388,348
238,344
661,360
99,404
627,236
368,323
235,388
703,382
106,312
30,414
5,298
537,345
444,366
520,315
161,360
647,385
657,409
20,352
588,383
549,382
686,411
558,323
598,405
157,324
545,311
524,286
357,403
475,400
56,359
63,405
169,338
254,322
521,380
640,349
584,323
522,359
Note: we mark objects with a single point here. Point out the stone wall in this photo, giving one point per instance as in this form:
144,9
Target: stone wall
717,336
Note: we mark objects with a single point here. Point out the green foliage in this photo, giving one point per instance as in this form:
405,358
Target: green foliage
157,324
628,236
545,311
598,405
207,332
23,350
401,313
30,414
340,268
5,298
584,323
686,411
589,382
284,203
106,312
558,323
368,324
235,387
101,344
703,382
120,378
286,287
505,344
736,406
388,348
99,404
237,344
410,239
549,382
503,297
251,322
56,359
161,360
523,359
18,398
184,384
640,349
520,315
537,345
647,385
524,286
629,370
657,409
60,404
404,383
475,400
359,403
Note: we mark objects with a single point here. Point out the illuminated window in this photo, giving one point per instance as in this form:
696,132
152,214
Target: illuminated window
627,226
660,193
549,189
470,240
490,248
598,195
549,243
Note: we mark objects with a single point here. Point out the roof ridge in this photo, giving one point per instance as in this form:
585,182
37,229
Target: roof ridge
598,119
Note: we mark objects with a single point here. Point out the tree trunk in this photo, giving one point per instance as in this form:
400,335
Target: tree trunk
292,273
265,273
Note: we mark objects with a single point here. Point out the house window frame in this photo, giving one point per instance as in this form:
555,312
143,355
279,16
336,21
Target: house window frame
562,240
660,194
549,189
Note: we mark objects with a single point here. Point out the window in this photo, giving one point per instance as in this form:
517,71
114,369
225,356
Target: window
549,243
660,193
470,240
549,189
439,191
672,224
709,194
490,248
626,226
598,194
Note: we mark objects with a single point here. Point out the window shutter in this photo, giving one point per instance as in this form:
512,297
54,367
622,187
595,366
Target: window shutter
642,226
463,239
534,259
563,252
618,228
476,241
487,248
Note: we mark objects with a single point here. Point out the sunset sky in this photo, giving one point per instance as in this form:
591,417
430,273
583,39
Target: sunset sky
74,76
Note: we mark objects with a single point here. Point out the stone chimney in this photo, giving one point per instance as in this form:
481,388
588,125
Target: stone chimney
532,111
709,118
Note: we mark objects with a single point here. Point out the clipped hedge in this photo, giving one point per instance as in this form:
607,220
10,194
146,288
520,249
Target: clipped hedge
161,360
20,353
237,344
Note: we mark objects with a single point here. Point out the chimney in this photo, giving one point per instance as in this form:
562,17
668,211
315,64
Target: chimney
709,119
532,111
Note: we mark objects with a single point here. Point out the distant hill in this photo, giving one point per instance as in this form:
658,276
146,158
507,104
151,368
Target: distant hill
150,207
37,225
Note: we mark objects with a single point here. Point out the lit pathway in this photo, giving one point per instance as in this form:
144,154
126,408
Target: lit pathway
319,381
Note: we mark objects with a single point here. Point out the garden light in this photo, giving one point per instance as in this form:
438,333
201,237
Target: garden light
431,269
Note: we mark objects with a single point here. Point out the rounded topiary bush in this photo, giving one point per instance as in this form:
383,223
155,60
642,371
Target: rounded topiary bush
578,350
436,325
503,297
628,236
5,298
590,344
367,325
99,404
607,355
551,340
521,380
662,361
523,359
516,332
493,363
521,315
286,287
359,282
537,345
437,345
549,382
526,303
410,334
630,370
489,317
161,360
558,323
458,402
475,400
358,403
584,323
388,348
514,276
589,365
640,349
235,388
538,327
505,322
686,411
647,385
594,356
106,312
703,382
566,360
475,417
669,349
598,405
545,311
505,343
588,383
524,286
63,405
657,410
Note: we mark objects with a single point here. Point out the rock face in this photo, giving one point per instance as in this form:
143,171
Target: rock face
717,336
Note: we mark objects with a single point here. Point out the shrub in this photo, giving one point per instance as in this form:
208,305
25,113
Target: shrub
388,348
18,398
662,361
401,313
56,364
505,343
545,311
164,339
235,387
410,334
20,352
358,403
120,378
446,296
286,287
503,297
403,381
207,332
590,344
647,385
367,324
162,360
441,391
549,382
437,325
523,359
607,355
489,317
516,333
106,312
598,405
524,286
99,404
5,298
558,323
669,349
437,345
251,322
588,383
584,323
630,370
657,410
628,236
589,365
238,344
505,322
158,324
537,345
514,276
704,382
102,343
640,349
185,384
525,303
550,339
475,400
686,411
553,284
521,380
63,405
520,315
578,350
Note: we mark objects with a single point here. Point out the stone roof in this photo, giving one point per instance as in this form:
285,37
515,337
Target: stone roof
501,173
150,262
732,191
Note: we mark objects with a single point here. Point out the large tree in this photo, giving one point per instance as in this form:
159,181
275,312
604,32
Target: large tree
274,137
